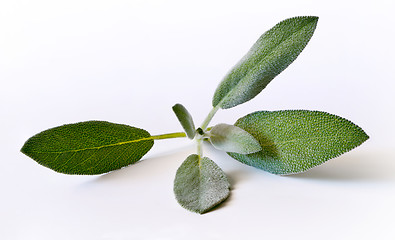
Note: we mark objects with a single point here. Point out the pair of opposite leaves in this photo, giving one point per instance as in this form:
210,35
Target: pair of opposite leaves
289,141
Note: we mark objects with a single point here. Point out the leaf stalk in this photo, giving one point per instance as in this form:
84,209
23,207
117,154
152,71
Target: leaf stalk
209,117
169,135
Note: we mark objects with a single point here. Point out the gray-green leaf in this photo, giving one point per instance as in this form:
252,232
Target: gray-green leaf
294,141
185,118
274,51
200,184
230,138
91,147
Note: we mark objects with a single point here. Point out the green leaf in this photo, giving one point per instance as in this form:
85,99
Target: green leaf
200,184
274,51
294,141
185,119
230,138
92,147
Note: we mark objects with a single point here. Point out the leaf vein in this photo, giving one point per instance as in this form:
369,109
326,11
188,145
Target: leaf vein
98,147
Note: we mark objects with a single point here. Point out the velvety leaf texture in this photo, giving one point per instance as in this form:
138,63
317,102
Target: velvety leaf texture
91,147
294,141
274,51
230,138
200,185
185,118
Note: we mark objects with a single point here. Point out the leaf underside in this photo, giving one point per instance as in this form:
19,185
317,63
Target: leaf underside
294,141
200,184
274,51
87,148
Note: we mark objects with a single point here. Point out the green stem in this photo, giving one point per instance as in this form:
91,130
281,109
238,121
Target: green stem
209,117
199,148
199,138
169,135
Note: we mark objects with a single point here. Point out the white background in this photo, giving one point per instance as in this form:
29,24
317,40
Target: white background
130,61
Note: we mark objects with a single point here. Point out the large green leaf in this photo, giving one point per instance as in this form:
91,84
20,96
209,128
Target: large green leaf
200,184
294,141
274,51
91,147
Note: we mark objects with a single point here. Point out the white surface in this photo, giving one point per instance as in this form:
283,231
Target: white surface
130,61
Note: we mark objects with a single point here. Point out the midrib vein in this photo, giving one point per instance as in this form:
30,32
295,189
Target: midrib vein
99,147
295,140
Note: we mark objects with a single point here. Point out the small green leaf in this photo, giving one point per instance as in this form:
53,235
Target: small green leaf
294,141
274,51
200,184
91,147
230,138
185,119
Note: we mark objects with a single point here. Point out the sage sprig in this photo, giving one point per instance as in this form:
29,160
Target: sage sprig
279,142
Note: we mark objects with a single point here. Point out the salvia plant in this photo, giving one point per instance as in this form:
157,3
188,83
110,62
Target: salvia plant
280,142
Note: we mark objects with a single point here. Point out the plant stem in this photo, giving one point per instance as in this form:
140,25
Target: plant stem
209,117
199,138
169,135
199,148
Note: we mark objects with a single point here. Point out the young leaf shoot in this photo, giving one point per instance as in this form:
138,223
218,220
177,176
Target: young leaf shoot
185,119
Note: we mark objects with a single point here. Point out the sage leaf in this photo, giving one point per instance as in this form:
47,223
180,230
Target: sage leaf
294,141
88,148
274,51
200,184
230,138
185,119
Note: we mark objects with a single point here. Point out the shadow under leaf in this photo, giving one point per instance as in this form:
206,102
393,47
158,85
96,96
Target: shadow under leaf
358,167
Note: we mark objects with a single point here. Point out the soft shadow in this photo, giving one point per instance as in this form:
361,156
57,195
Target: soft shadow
234,177
237,176
353,167
147,167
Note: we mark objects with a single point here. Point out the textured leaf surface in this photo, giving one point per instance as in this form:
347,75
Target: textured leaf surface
200,185
294,141
92,147
230,138
274,51
185,118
